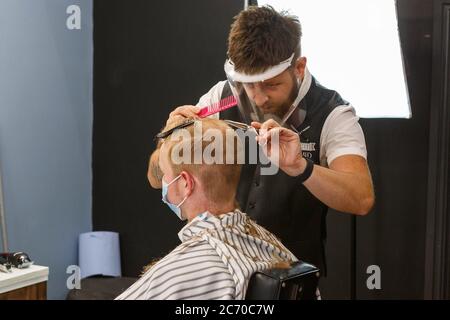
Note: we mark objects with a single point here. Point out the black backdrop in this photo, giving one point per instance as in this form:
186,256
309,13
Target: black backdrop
150,56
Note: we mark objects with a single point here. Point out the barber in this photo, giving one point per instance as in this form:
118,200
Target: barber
323,156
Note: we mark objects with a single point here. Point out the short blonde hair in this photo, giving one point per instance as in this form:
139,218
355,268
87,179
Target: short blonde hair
219,180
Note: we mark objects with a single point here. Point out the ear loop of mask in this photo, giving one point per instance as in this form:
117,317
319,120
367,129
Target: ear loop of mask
184,199
175,208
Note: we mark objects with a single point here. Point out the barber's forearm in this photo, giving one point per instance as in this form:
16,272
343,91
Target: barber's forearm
342,191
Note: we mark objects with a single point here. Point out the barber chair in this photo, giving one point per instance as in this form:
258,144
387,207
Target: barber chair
299,282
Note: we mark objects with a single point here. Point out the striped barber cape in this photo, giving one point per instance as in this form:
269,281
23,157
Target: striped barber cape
215,260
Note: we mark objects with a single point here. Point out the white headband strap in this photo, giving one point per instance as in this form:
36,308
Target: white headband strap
246,78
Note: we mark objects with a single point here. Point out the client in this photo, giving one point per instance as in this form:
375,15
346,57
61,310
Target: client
221,247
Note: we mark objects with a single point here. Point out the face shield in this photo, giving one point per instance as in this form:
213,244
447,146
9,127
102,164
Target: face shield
248,109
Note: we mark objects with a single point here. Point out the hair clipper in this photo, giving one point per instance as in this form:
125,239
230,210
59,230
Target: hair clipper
19,260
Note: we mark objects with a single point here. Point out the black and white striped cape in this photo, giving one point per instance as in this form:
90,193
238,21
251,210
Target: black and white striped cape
215,260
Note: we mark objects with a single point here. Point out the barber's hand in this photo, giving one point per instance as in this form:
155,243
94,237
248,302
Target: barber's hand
182,113
290,158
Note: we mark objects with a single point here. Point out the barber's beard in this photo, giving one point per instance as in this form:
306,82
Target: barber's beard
283,109
278,111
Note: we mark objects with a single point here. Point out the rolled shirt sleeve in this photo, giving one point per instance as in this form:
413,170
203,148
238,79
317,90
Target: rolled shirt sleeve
341,135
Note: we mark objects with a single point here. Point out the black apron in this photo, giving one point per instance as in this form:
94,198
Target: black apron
279,202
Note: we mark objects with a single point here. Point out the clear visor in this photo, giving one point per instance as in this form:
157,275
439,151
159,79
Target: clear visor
248,109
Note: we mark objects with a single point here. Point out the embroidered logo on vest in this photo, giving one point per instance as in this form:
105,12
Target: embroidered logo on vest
307,149
308,146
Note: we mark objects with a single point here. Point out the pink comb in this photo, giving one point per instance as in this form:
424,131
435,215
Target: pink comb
223,104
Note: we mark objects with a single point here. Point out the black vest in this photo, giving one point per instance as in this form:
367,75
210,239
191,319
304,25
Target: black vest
279,202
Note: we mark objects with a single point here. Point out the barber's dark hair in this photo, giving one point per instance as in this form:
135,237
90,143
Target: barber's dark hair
260,37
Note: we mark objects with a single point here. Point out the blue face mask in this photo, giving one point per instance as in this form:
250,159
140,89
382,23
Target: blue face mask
175,208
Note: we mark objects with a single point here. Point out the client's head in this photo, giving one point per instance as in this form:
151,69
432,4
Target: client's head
201,168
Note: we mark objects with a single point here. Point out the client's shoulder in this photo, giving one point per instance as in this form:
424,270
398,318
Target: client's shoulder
190,272
193,253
